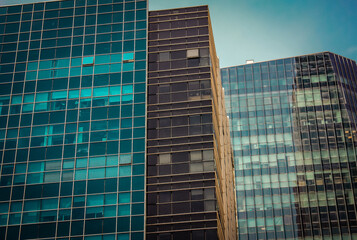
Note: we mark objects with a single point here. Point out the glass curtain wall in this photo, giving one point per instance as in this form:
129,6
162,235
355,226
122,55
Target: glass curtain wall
72,119
293,128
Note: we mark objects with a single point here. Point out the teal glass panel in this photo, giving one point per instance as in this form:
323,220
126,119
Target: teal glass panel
19,179
44,74
87,60
31,75
87,71
28,98
101,69
36,167
80,174
115,67
68,164
38,131
46,64
95,200
16,99
96,173
57,73
4,100
4,207
94,212
20,168
124,210
16,207
111,172
59,95
41,107
110,199
140,15
102,59
126,99
42,97
139,132
2,134
124,197
110,211
78,201
27,108
116,57
97,161
52,177
137,209
128,67
138,223
86,92
114,100
124,171
76,71
66,202
49,204
125,158
128,56
115,90
32,66
140,65
126,123
112,161
73,94
100,92
124,236
81,162
77,62
127,89
62,63
32,205
31,217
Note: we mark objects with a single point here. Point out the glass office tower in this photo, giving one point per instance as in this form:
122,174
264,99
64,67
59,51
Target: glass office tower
190,182
293,127
73,117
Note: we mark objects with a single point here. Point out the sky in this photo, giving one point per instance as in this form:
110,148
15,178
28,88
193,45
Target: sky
271,29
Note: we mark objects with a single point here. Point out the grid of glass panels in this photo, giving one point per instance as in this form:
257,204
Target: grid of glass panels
72,120
294,139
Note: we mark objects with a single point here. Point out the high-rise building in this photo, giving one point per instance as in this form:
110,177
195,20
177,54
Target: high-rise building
72,121
190,182
293,127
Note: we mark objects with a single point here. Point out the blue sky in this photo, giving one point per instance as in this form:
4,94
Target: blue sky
270,29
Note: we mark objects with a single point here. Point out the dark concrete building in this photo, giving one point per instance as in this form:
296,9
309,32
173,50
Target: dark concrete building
190,182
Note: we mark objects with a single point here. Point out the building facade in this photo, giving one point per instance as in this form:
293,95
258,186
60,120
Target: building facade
190,183
73,117
293,127
73,124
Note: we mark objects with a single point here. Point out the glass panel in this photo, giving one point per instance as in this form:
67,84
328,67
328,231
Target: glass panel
87,61
128,56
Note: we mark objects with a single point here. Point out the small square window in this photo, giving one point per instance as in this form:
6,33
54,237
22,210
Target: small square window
196,194
87,61
196,156
208,155
193,53
164,158
196,167
164,56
